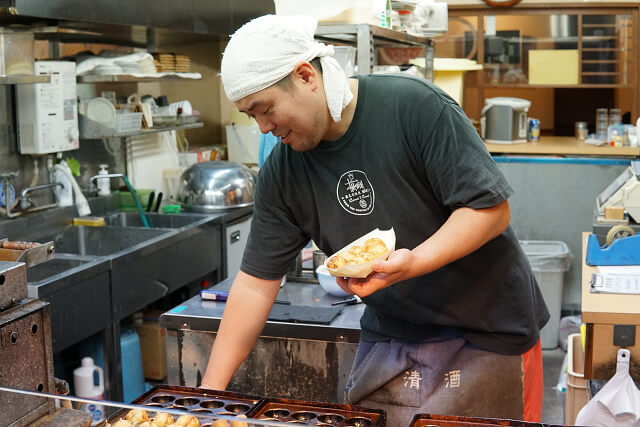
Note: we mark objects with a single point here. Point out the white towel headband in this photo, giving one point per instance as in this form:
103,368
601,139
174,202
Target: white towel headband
266,49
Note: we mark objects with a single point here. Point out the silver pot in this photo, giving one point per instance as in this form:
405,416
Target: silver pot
216,187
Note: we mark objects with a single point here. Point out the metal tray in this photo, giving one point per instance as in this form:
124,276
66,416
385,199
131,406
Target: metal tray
432,420
191,399
317,413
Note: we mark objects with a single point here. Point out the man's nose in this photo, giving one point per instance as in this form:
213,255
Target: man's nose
265,125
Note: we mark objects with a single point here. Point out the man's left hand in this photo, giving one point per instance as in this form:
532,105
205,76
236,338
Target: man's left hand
385,273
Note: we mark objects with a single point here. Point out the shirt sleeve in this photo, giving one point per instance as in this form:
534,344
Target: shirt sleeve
275,237
457,164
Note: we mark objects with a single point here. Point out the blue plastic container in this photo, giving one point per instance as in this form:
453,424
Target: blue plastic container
132,372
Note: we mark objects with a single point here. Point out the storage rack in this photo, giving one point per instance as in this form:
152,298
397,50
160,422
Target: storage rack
366,38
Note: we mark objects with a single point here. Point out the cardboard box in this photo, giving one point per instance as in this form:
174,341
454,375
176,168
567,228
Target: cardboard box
613,322
553,67
153,346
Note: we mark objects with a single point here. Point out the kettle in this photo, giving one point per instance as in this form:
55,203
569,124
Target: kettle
504,120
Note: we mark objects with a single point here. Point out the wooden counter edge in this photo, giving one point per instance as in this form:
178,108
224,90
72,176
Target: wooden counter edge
561,145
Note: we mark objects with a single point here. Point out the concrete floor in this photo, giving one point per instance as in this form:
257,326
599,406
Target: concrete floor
552,400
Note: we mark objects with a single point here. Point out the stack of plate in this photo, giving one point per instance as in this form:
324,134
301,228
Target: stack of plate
183,63
107,69
147,65
128,67
165,61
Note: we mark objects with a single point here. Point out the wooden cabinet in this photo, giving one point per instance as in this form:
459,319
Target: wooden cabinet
546,47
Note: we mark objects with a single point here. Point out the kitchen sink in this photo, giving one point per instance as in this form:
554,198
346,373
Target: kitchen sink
84,281
51,268
156,220
101,241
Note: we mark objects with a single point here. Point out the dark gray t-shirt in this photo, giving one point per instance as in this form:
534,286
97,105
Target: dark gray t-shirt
408,160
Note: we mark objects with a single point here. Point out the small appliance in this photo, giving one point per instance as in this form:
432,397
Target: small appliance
504,120
48,112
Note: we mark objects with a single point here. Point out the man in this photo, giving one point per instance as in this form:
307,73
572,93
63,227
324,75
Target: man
452,318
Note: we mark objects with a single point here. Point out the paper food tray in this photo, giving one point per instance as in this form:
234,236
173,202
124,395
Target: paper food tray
363,270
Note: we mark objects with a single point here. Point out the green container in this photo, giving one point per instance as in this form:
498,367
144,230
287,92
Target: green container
128,204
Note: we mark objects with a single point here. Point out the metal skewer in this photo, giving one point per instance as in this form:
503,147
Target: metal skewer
145,407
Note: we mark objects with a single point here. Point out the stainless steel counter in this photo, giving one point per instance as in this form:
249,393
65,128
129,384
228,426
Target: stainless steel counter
196,314
293,360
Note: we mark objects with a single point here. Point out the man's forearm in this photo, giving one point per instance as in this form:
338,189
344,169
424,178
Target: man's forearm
465,231
245,314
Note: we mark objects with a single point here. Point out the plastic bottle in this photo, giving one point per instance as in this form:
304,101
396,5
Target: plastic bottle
84,386
104,187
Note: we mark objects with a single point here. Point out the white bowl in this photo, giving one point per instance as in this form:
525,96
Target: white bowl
328,282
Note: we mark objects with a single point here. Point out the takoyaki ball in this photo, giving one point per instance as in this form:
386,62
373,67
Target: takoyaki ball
137,416
373,242
356,250
163,419
336,262
188,421
368,256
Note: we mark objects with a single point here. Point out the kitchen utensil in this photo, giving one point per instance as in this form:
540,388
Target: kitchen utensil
216,186
210,294
355,299
158,201
152,196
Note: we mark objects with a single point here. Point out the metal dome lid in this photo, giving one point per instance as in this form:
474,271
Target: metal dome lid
216,186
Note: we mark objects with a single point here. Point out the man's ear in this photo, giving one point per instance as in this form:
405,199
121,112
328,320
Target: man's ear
305,74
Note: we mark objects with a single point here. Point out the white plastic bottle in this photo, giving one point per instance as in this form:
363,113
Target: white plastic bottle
84,385
104,187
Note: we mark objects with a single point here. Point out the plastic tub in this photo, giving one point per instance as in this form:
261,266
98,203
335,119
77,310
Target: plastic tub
577,385
127,204
549,260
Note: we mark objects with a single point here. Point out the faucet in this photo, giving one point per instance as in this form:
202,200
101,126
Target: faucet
92,183
25,202
7,179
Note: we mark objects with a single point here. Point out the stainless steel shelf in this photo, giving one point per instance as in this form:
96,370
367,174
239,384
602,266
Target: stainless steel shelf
126,78
161,129
348,32
99,132
21,79
366,38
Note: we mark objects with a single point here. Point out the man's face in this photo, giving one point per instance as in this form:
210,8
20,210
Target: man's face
295,114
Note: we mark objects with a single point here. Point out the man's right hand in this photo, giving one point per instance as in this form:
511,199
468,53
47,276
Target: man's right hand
247,308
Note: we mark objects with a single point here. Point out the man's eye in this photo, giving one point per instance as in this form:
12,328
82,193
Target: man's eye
267,111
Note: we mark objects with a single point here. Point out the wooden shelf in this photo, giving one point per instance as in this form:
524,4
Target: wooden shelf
22,79
580,86
126,78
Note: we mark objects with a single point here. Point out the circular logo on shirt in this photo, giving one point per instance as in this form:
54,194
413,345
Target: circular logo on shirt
355,193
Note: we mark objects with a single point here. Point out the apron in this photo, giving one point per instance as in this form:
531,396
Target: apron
448,377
